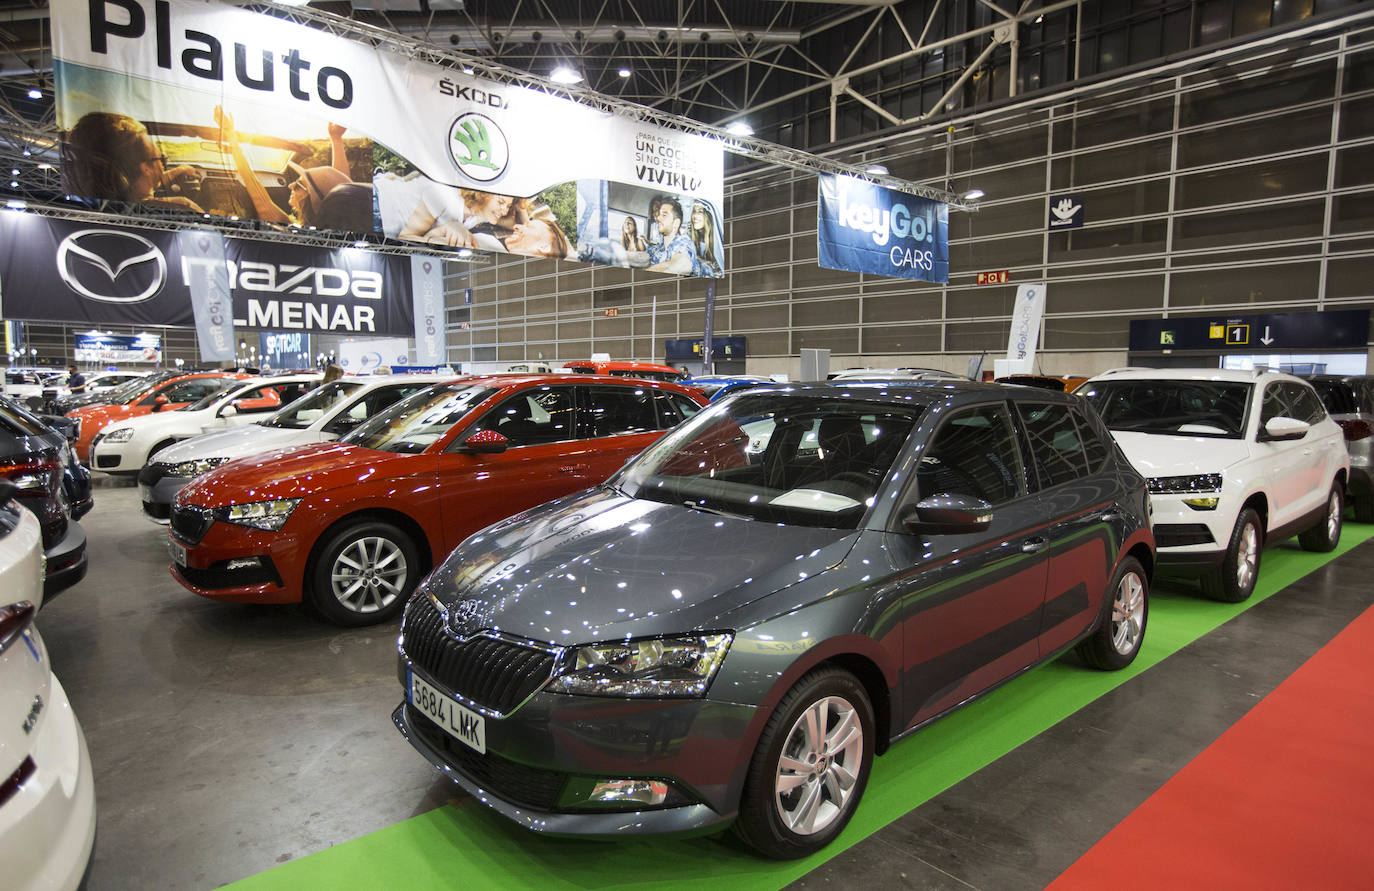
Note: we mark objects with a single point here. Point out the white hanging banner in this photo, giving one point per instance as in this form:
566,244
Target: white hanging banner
1025,324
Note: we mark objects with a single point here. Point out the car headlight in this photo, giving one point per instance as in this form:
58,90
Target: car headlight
268,515
680,667
1205,489
123,434
196,467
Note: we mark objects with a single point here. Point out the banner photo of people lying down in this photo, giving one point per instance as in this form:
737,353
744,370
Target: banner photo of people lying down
865,227
209,108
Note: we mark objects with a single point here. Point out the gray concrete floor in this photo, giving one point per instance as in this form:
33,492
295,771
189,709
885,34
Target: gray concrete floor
229,739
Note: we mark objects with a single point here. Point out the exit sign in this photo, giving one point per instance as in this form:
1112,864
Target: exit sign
612,312
994,278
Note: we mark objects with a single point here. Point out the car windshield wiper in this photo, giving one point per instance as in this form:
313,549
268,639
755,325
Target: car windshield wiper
715,510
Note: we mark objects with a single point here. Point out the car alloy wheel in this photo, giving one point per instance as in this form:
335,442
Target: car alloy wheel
368,575
1327,534
1247,557
810,767
1115,641
364,573
819,766
1128,614
1234,580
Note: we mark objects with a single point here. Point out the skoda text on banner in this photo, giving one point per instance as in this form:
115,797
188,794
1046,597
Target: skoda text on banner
427,284
863,227
62,271
1025,325
252,116
202,255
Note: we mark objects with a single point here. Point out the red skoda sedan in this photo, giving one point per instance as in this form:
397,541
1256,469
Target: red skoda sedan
350,527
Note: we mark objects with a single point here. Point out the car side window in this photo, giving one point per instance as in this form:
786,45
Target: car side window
1094,448
1275,404
1305,404
673,408
613,411
973,453
1056,448
259,399
535,416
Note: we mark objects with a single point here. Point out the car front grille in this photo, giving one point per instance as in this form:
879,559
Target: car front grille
190,523
530,787
1175,535
496,674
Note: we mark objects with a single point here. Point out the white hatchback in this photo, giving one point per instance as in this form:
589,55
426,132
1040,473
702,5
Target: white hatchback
1234,459
123,447
47,794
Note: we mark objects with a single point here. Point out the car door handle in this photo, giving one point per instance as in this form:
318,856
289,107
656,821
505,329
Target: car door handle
1031,545
574,468
1109,516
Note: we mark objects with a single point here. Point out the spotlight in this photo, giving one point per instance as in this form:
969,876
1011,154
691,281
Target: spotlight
739,128
624,72
876,170
35,94
973,194
565,75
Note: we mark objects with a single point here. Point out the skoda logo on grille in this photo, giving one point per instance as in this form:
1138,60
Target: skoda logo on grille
459,615
111,266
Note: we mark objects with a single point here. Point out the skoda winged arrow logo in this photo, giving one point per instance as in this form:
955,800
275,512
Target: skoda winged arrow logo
478,147
459,614
111,266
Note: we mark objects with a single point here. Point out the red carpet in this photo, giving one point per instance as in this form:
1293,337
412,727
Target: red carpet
1282,800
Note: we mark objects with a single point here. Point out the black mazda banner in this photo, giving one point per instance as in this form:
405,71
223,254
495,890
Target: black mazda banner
68,271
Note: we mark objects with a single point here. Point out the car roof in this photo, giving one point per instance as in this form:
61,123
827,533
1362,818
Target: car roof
905,391
1190,374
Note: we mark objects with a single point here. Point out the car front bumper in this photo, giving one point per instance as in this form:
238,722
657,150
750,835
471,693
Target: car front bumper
115,457
538,753
156,489
1188,539
47,831
206,569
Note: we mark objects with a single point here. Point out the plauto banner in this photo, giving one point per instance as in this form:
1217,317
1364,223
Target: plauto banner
211,108
68,271
863,227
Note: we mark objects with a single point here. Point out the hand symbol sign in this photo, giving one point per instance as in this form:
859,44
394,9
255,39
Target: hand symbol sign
1065,209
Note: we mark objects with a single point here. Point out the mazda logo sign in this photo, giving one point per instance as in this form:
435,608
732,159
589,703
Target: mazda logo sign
111,266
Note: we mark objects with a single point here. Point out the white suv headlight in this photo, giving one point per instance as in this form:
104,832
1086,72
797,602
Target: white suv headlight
1205,489
268,515
678,667
123,434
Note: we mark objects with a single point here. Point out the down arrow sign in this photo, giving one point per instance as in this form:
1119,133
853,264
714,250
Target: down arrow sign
1266,339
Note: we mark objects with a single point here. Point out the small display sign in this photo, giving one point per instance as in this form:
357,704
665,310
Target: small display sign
994,278
1066,212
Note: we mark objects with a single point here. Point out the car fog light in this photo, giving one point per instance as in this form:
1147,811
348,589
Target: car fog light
244,563
1202,503
648,792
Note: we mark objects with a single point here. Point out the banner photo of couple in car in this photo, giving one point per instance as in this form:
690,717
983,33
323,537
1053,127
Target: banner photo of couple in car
211,109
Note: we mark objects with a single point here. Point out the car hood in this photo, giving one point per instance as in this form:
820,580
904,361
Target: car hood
236,442
297,472
166,421
599,565
1160,454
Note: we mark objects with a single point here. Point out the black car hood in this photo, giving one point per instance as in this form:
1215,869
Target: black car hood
599,565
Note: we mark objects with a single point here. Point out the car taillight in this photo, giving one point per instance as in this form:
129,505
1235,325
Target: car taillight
15,619
32,475
1356,429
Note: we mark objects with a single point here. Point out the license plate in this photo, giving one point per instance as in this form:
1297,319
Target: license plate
178,553
461,723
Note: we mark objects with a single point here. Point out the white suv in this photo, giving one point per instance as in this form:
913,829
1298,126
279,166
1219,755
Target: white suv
1234,459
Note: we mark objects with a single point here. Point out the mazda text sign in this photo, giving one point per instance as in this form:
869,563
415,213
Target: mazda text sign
65,271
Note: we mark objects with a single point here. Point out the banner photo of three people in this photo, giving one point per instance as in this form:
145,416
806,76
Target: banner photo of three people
213,109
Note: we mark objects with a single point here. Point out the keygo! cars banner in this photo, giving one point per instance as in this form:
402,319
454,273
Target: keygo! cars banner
212,108
863,227
70,271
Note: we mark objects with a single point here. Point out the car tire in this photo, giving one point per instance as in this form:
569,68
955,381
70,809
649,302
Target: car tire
785,794
1327,533
1115,642
1364,508
1234,580
364,574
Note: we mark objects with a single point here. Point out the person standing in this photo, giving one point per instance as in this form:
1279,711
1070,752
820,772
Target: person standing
76,381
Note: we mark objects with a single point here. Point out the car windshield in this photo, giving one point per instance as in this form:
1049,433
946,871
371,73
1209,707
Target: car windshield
211,398
782,458
414,424
130,391
313,406
1181,407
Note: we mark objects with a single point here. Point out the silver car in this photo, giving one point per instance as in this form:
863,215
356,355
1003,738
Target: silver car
1350,402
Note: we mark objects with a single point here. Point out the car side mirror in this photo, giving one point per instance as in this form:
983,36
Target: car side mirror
947,514
1282,429
484,442
159,402
228,411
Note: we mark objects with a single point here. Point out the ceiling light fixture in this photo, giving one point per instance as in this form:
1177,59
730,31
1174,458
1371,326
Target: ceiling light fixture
876,170
739,128
624,72
35,93
565,75
973,194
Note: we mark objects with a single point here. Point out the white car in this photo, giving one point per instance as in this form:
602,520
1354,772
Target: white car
47,792
123,447
1234,459
29,388
324,414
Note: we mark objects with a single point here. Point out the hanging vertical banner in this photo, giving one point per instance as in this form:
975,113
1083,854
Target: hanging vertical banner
427,284
202,252
1025,324
214,108
864,227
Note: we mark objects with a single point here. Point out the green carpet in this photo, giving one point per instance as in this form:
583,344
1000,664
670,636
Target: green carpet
468,846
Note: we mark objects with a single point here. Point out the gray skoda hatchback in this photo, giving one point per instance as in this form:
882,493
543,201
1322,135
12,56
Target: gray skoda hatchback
732,626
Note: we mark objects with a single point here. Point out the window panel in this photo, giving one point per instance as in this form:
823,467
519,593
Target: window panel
764,253
1118,162
846,341
809,313
975,337
997,253
1248,139
998,219
1085,333
1350,277
1254,95
1352,213
900,339
901,307
769,343
1116,294
574,331
1301,219
1355,166
983,302
1114,123
1290,282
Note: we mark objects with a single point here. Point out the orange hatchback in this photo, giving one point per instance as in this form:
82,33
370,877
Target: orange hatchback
350,527
647,371
169,394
